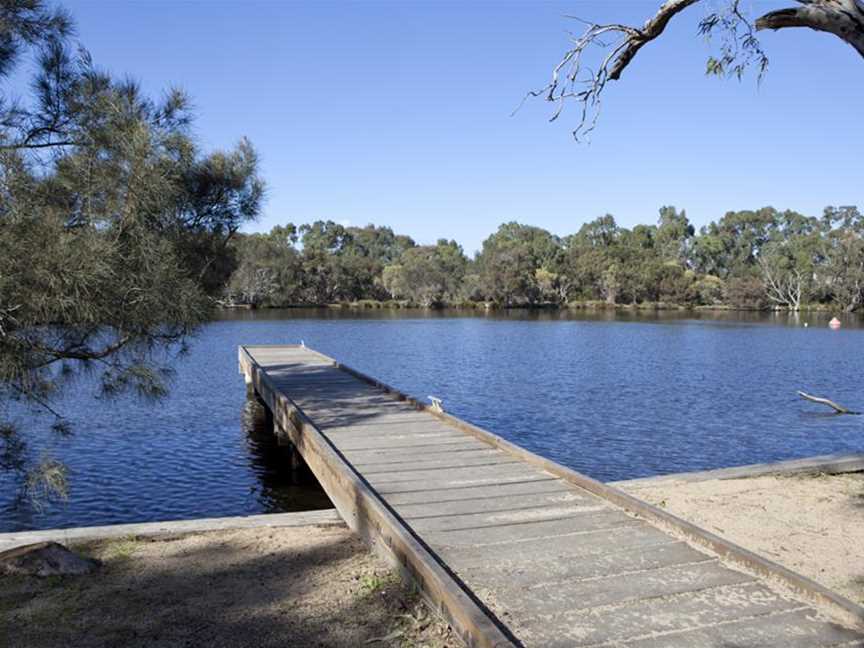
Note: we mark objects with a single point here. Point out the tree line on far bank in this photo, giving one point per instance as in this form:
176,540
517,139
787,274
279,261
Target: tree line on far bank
757,259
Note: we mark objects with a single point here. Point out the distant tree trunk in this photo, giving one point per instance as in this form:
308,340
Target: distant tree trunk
610,285
784,288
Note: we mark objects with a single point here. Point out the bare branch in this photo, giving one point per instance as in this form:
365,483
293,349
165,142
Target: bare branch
40,145
573,80
651,30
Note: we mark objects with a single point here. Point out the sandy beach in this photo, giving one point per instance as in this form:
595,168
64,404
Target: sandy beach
306,586
812,524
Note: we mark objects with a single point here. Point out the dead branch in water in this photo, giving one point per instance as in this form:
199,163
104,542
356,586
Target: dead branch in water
824,401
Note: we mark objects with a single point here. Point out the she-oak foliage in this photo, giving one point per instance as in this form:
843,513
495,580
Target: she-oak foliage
114,226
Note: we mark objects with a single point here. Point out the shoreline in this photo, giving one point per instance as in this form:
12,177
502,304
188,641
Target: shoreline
803,513
593,306
808,523
800,513
833,464
306,585
321,518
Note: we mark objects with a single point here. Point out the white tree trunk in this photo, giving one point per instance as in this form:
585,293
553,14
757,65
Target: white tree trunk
843,18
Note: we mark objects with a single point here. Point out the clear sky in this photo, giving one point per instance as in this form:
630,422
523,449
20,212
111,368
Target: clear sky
399,113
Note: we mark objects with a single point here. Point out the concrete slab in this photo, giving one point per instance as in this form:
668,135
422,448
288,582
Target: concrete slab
327,517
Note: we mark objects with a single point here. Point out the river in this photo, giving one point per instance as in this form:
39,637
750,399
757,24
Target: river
613,396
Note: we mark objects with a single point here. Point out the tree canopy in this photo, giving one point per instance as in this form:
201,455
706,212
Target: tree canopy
114,225
752,259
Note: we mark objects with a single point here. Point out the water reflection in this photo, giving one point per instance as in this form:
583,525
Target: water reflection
285,483
818,319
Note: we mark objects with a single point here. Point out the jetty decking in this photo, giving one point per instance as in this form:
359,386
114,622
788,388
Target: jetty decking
518,551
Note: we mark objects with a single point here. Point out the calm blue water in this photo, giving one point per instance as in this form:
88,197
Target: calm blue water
614,398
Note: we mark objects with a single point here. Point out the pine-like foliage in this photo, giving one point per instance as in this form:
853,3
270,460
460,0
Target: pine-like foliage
113,225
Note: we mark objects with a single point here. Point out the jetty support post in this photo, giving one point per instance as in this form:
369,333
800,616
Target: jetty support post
259,416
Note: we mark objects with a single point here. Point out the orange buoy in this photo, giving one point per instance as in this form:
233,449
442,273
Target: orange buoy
834,323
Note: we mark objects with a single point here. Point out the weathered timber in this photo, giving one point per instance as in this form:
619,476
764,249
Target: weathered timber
617,561
454,510
512,548
567,596
795,629
709,608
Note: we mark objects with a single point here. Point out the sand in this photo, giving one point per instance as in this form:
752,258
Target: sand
812,524
320,586
303,587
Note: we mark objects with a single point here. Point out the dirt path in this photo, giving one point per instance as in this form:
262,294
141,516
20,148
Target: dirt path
811,524
303,587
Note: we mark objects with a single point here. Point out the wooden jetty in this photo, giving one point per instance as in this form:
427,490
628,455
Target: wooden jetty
516,550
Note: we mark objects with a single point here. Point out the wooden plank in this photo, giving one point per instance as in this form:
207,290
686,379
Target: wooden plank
652,616
338,414
501,468
408,421
438,461
480,491
330,398
516,554
578,546
797,629
340,407
395,435
297,367
426,485
531,599
319,380
445,443
617,561
382,421
507,533
454,509
454,463
376,431
518,515
359,456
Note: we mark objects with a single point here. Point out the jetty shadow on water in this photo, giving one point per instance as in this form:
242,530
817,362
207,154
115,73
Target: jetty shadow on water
286,484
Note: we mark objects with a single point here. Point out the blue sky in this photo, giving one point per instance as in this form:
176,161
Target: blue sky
399,113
